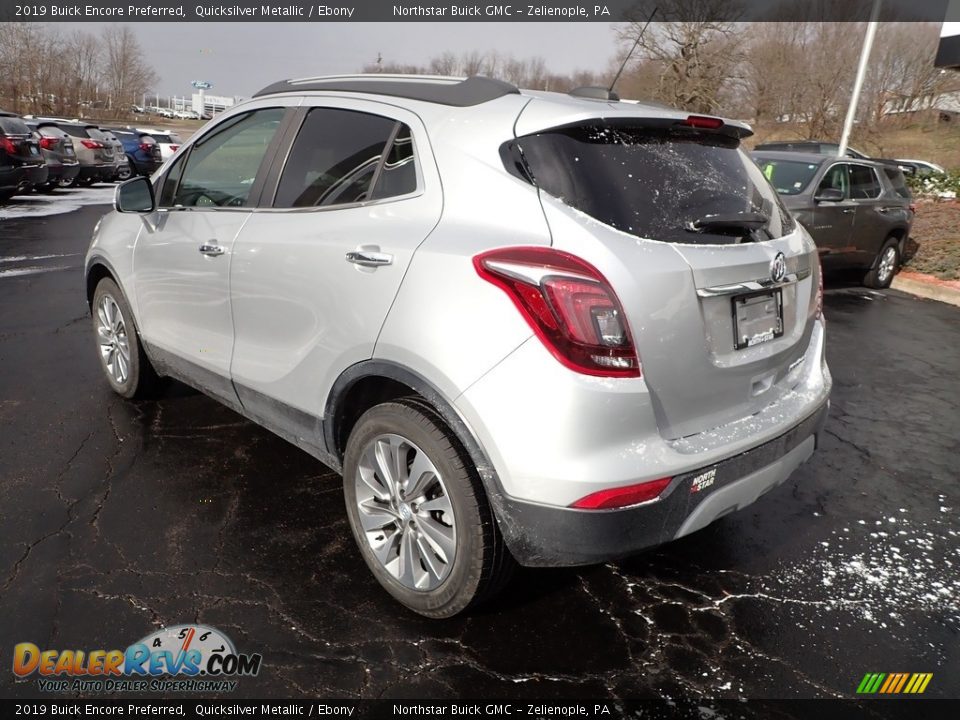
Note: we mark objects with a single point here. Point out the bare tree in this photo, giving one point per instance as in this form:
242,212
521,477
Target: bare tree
124,70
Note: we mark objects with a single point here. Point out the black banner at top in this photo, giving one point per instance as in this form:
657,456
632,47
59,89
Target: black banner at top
428,11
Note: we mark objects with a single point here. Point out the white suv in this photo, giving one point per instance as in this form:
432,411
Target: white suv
552,329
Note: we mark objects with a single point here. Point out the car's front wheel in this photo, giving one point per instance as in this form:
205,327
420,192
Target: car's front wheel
126,366
419,513
881,274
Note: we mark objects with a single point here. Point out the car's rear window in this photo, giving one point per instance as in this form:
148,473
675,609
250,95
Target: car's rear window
161,138
677,186
788,177
75,131
96,134
13,126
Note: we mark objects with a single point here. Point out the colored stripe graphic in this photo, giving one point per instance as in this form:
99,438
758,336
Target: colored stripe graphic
894,683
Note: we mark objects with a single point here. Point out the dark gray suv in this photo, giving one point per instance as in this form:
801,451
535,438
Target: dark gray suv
859,212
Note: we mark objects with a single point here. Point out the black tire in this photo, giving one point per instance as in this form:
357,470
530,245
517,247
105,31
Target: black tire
139,380
885,266
126,171
481,565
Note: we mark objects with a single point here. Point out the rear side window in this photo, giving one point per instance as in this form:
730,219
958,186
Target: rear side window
864,183
13,126
662,184
342,157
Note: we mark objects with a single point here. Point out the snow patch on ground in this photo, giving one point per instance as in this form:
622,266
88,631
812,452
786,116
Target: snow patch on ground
59,202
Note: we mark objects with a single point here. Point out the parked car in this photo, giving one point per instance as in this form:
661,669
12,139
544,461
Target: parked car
859,212
525,326
96,154
921,168
141,150
818,147
121,168
21,163
169,142
58,153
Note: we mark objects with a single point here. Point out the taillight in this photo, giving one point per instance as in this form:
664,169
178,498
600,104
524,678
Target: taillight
9,145
819,313
623,496
92,144
913,208
146,147
703,121
49,143
569,305
174,148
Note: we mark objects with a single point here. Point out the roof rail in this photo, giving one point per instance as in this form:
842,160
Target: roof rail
456,92
595,92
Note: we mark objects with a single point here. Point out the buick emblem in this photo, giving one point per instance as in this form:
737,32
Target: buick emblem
778,268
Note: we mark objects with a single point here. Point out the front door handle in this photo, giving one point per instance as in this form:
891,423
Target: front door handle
211,250
369,258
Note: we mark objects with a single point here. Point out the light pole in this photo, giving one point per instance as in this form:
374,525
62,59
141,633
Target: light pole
858,81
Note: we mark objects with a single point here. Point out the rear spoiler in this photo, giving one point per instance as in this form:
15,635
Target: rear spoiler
694,123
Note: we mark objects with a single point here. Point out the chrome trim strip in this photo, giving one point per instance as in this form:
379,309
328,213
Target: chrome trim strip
753,285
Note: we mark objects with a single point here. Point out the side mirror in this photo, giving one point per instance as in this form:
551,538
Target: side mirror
829,195
135,196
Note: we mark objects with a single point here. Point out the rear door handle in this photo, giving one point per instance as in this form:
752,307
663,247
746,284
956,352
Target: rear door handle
368,258
211,250
847,211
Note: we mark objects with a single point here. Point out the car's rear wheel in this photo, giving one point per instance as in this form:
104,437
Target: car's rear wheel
125,171
419,513
126,366
881,274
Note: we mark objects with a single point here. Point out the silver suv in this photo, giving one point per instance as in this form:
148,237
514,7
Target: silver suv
525,327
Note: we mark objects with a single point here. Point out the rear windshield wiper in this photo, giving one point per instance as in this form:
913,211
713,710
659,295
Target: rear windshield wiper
723,224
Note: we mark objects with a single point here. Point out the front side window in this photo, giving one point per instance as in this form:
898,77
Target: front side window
341,157
222,166
836,178
864,184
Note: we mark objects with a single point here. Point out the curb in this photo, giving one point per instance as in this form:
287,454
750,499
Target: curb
918,284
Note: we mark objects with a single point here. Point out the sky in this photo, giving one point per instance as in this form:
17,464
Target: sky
240,58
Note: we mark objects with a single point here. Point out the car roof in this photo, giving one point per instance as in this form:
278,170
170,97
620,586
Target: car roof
550,109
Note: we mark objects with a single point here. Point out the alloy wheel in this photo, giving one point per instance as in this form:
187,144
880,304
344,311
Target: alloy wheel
405,512
112,337
888,262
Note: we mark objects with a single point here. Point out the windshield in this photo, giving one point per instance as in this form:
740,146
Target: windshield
788,177
672,185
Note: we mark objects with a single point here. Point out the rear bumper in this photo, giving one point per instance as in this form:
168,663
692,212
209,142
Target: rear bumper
547,536
69,172
146,167
36,174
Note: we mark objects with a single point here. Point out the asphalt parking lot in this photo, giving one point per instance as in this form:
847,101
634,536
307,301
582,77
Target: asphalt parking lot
118,518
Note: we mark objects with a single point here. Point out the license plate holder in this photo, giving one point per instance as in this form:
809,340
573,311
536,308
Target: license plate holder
757,317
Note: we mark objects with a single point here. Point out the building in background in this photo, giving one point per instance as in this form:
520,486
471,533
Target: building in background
206,105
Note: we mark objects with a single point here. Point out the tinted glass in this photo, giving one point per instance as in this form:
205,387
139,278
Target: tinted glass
864,183
222,166
13,126
899,182
160,138
398,176
836,178
655,183
74,131
788,177
334,158
95,134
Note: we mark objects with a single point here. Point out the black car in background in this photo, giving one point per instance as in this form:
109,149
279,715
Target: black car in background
818,147
21,163
859,212
58,153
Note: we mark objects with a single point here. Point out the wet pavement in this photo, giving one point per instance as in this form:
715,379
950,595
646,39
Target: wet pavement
117,518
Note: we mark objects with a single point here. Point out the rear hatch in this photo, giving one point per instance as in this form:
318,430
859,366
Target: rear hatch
17,142
105,151
717,281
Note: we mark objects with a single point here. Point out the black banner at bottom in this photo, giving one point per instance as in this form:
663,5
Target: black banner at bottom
666,709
